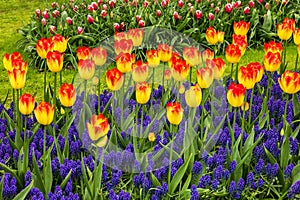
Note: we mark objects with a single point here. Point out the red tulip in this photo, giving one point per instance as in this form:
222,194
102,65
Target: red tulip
251,4
158,13
247,10
211,16
198,14
228,8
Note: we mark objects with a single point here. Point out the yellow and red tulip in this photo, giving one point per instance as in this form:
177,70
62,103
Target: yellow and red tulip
241,27
19,65
9,58
59,43
136,35
43,46
192,56
26,104
99,56
174,112
273,47
233,53
211,35
247,76
289,82
240,41
284,31
139,71
220,36
236,94
98,127
55,61
259,68
167,74
17,78
114,79
193,96
142,92
44,113
153,58
180,70
205,77
86,69
165,52
272,61
123,46
120,35
67,95
296,37
218,67
151,137
83,53
124,62
207,54
174,58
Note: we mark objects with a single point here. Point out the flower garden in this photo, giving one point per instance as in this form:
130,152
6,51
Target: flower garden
158,107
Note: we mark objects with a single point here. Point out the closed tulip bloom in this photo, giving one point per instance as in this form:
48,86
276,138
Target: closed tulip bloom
174,58
236,94
59,43
83,53
259,69
167,74
67,95
151,137
86,69
273,47
17,78
241,27
192,56
218,67
55,61
9,58
193,96
123,46
153,58
233,53
289,82
284,31
220,36
44,113
26,104
139,71
205,77
290,22
142,92
240,41
272,61
174,113
247,76
19,65
120,35
297,36
180,70
124,62
207,54
43,46
165,52
136,35
211,35
114,79
99,56
98,127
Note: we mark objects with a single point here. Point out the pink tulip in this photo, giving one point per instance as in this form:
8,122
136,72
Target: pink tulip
251,4
146,3
217,9
45,14
141,23
80,30
180,3
138,18
44,21
158,13
246,10
103,13
228,8
90,19
69,20
116,27
211,16
198,14
38,12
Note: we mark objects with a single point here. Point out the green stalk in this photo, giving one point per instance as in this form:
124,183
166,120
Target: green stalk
153,70
85,93
191,71
18,117
284,58
171,154
45,80
231,70
163,79
236,72
297,56
25,147
60,77
99,92
250,108
14,100
286,105
54,102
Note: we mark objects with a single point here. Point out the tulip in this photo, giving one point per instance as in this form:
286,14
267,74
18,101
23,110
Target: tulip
9,58
284,31
273,47
44,22
175,56
59,43
86,69
90,19
241,27
289,82
141,23
38,12
136,35
139,71
272,61
55,61
153,58
124,62
99,56
123,46
114,79
228,8
198,14
104,13
44,113
290,23
176,15
245,107
145,4
247,76
174,113
26,104
218,67
240,41
17,78
80,30
69,20
297,36
205,77
116,27
192,56
251,4
180,70
138,18
193,96
167,74
142,92
220,36
246,10
151,137
83,53
158,13
52,29
211,16
98,127
217,9
120,35
233,53
180,3
165,52
43,46
236,94
259,70
207,54
211,35
67,95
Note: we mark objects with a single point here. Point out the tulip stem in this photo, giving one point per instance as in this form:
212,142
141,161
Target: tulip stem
54,102
25,148
250,108
99,92
45,80
44,146
60,77
231,70
282,67
163,79
297,56
18,133
153,69
191,71
236,72
171,154
286,105
85,93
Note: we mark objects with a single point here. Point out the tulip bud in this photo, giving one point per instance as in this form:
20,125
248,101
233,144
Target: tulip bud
98,129
217,9
44,113
52,29
67,95
99,56
146,3
151,137
116,27
142,92
90,8
104,7
236,94
90,19
251,4
164,3
112,3
95,6
174,113
260,1
267,6
80,30
158,13
44,22
211,16
86,69
55,61
38,12
141,23
69,20
198,14
114,79
228,8
26,104
246,10
45,14
122,26
193,96
180,3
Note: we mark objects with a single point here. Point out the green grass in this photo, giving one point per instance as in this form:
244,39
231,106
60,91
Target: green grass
16,13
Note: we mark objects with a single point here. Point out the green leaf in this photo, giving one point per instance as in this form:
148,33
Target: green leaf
178,176
1,187
296,173
12,172
48,173
155,181
39,181
267,25
66,179
22,195
296,104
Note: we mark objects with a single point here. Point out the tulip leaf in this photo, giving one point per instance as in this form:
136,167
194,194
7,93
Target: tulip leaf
284,152
37,175
48,172
1,187
66,179
296,104
296,173
267,25
22,195
155,181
